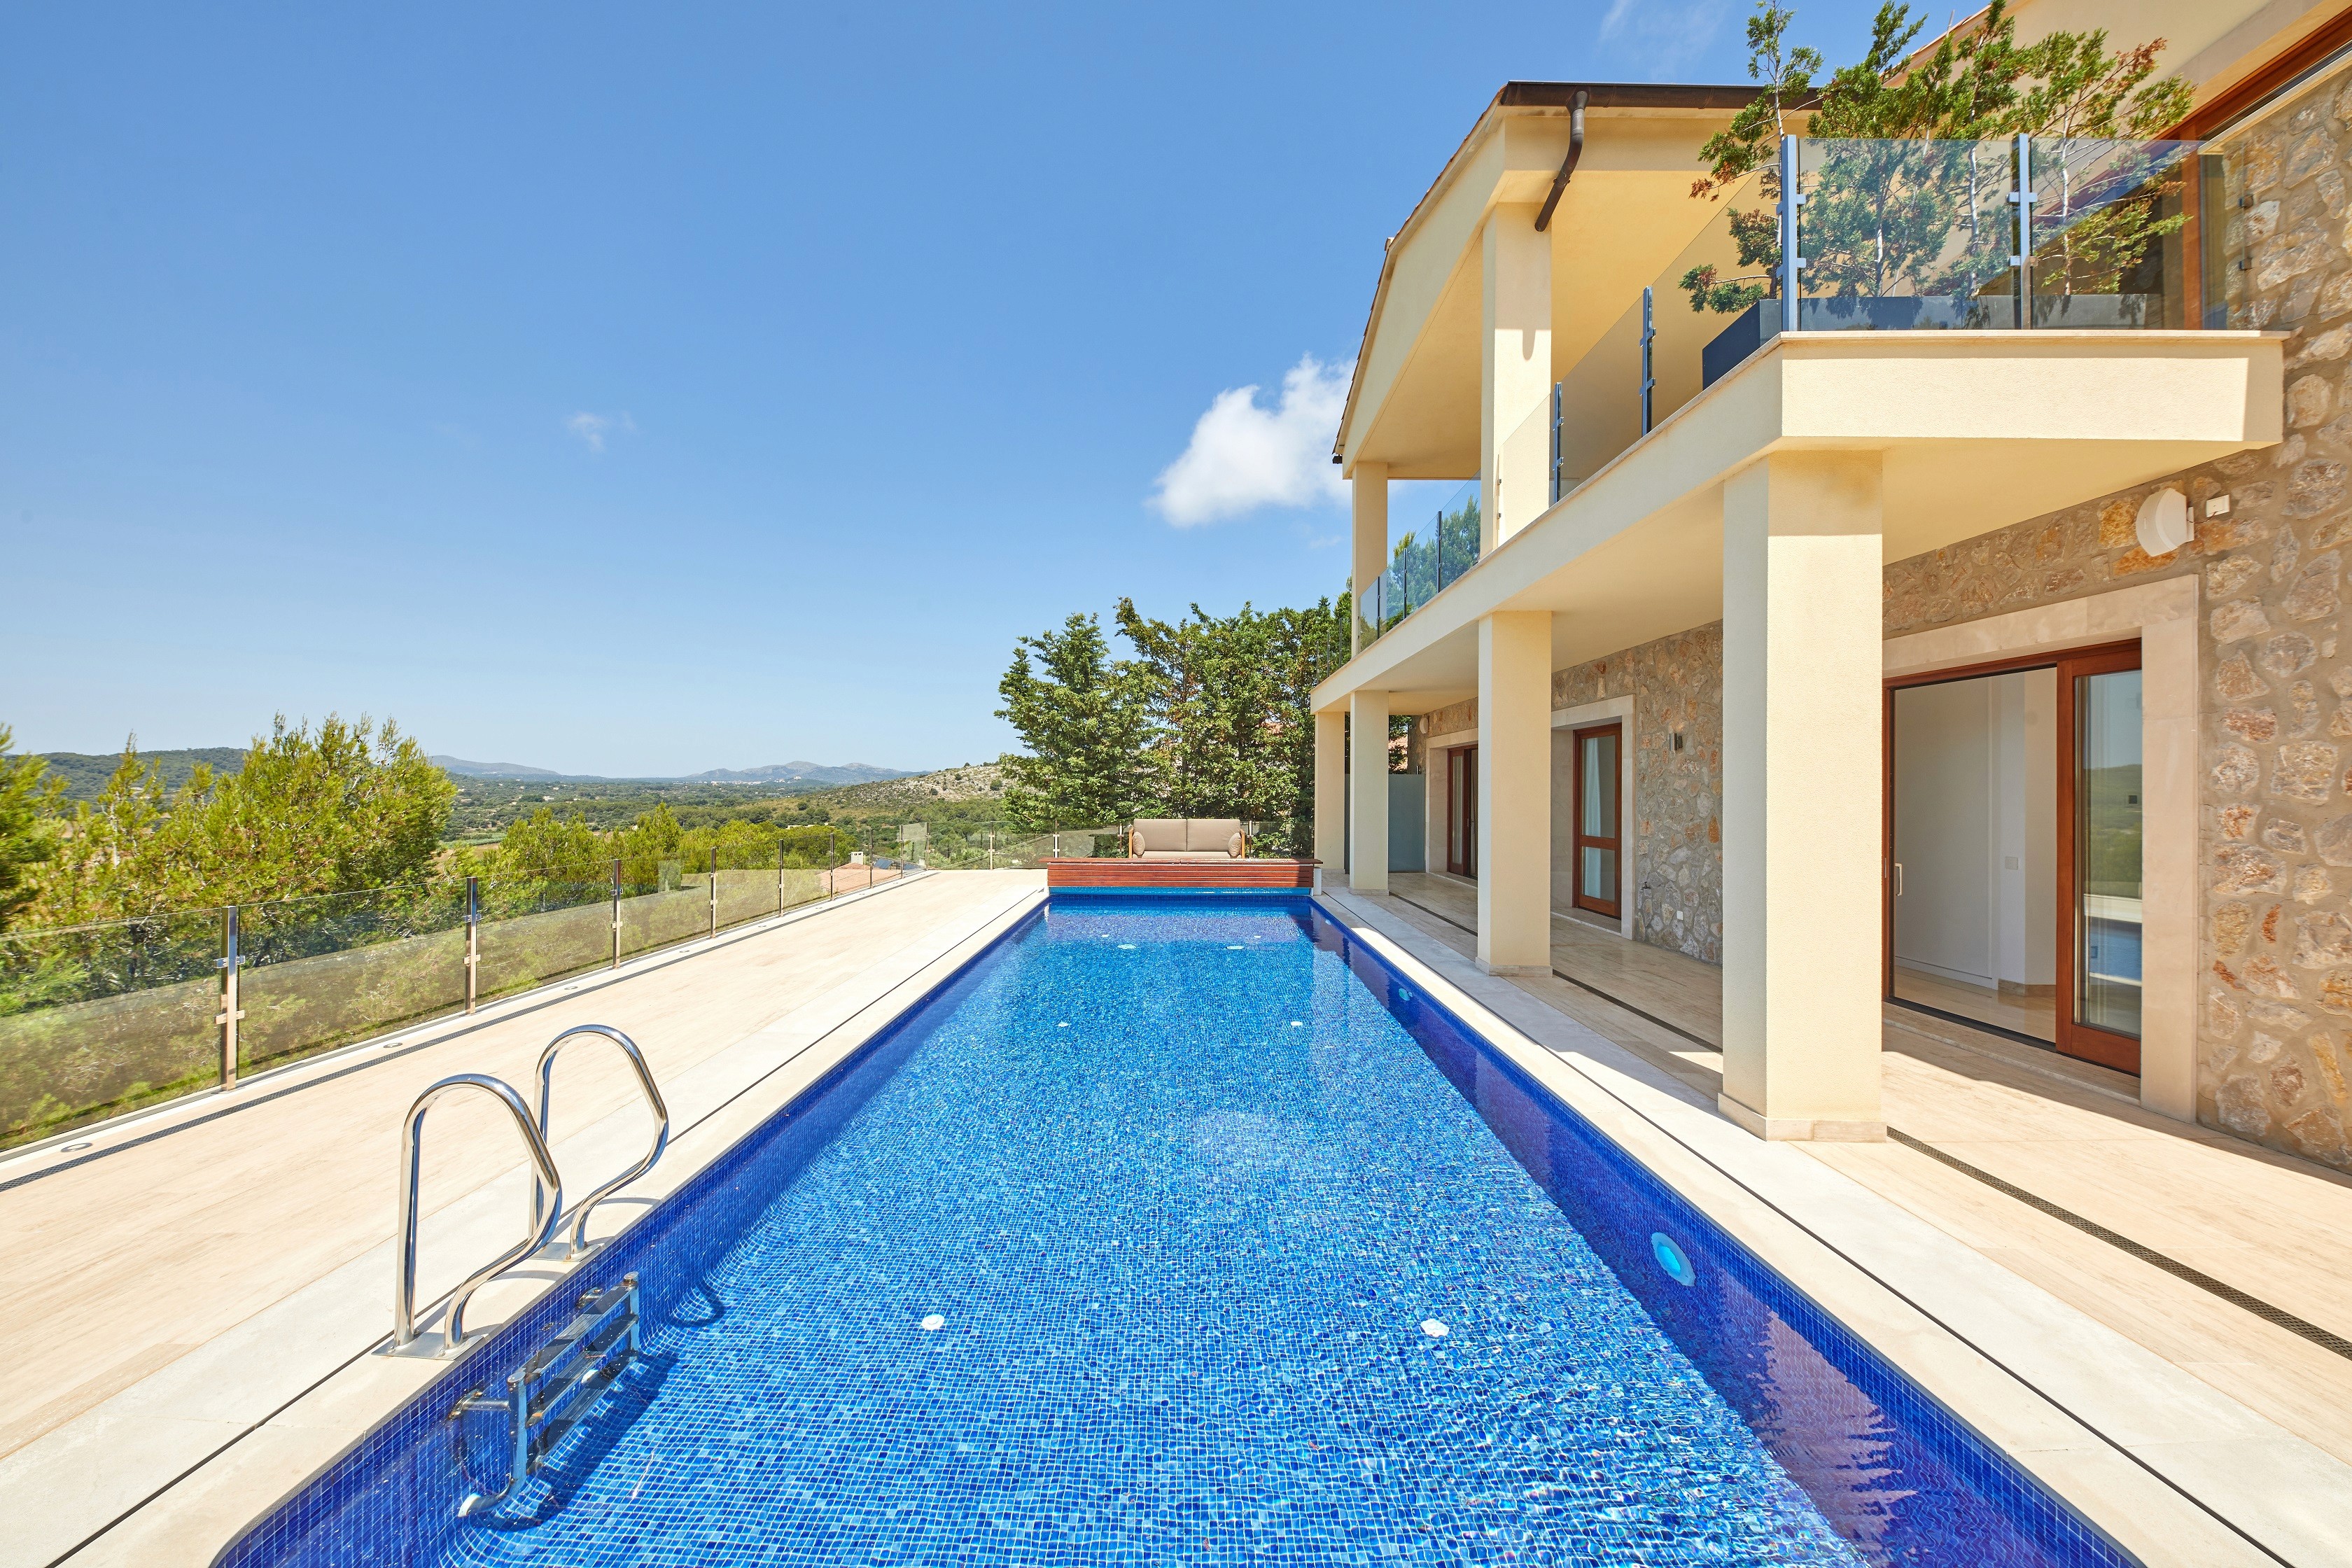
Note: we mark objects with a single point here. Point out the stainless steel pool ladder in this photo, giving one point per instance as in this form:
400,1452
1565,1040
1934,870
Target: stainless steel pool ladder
653,1101
551,1392
546,1186
403,1275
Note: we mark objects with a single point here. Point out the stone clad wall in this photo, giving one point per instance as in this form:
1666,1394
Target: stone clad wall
1676,817
1676,875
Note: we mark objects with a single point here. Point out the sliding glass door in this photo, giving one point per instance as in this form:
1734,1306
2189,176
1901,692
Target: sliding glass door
2013,876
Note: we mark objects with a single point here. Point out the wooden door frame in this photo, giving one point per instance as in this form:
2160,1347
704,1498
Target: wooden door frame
1462,806
2101,1046
2079,1040
1614,907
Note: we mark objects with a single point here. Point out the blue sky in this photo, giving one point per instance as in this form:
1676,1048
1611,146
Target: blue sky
644,389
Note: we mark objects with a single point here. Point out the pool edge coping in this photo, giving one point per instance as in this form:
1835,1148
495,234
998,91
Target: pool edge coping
1841,1244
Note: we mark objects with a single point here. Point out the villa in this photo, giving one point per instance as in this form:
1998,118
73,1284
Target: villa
1815,1030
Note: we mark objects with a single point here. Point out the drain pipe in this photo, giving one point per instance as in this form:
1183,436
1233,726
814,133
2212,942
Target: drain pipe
1568,165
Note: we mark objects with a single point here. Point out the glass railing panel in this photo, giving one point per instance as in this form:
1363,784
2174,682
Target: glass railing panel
323,971
1905,235
102,1019
2110,220
1423,563
748,895
663,911
1523,475
1909,236
541,928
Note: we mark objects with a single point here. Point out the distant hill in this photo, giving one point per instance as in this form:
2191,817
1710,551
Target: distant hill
912,793
464,769
798,772
811,774
86,775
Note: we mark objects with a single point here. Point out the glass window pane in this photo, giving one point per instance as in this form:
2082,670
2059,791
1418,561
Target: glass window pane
2107,852
1601,786
1599,874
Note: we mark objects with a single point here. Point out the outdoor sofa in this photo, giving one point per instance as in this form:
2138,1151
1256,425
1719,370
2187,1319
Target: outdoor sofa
1188,838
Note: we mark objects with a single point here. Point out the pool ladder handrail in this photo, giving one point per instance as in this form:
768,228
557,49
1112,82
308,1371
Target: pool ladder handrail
653,1101
404,1278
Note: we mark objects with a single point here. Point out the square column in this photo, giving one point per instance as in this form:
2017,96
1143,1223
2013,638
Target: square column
1370,556
1367,792
1515,374
1802,670
1331,791
1515,793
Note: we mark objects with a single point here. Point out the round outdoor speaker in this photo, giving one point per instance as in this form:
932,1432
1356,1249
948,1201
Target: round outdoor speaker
2164,522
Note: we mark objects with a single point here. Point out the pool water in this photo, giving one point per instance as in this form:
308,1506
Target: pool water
1183,1229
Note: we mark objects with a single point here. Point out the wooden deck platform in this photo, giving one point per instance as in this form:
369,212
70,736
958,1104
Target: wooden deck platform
1117,873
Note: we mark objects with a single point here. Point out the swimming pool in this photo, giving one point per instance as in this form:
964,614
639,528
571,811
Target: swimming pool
1183,1228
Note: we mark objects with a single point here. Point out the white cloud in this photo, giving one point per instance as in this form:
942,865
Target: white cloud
1665,33
1244,456
592,428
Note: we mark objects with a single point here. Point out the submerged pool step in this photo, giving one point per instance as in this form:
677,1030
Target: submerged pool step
551,1392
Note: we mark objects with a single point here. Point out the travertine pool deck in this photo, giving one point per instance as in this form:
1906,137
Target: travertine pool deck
202,1224
2071,1133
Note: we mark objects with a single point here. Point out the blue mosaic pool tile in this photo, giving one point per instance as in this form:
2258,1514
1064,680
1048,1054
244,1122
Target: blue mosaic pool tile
1179,1227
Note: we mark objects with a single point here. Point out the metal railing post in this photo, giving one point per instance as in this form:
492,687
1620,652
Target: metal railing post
1649,378
473,941
1558,463
714,889
230,962
1792,260
780,875
616,914
992,851
2022,263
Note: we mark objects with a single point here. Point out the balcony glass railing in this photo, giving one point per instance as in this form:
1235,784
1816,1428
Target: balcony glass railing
1421,565
1926,235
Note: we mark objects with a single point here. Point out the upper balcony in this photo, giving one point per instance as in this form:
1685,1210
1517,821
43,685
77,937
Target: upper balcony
1999,239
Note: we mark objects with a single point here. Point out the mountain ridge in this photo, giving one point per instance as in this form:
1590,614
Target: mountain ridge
771,773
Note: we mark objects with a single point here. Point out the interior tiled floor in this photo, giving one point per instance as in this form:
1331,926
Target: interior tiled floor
2035,1016
2073,1134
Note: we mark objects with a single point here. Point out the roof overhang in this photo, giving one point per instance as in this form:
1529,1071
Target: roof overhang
1413,402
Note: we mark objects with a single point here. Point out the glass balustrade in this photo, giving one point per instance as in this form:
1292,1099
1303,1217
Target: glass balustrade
102,1019
1422,564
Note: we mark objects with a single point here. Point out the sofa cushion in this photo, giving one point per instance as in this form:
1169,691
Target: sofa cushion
1211,833
1157,833
1181,854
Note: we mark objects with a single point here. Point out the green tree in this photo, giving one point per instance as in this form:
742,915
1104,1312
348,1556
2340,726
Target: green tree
1083,716
1230,698
26,841
344,808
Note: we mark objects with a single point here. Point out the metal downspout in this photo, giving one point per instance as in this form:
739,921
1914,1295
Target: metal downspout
1568,165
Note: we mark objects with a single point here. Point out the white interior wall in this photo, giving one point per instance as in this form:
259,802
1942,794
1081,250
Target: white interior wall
1976,828
1944,829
